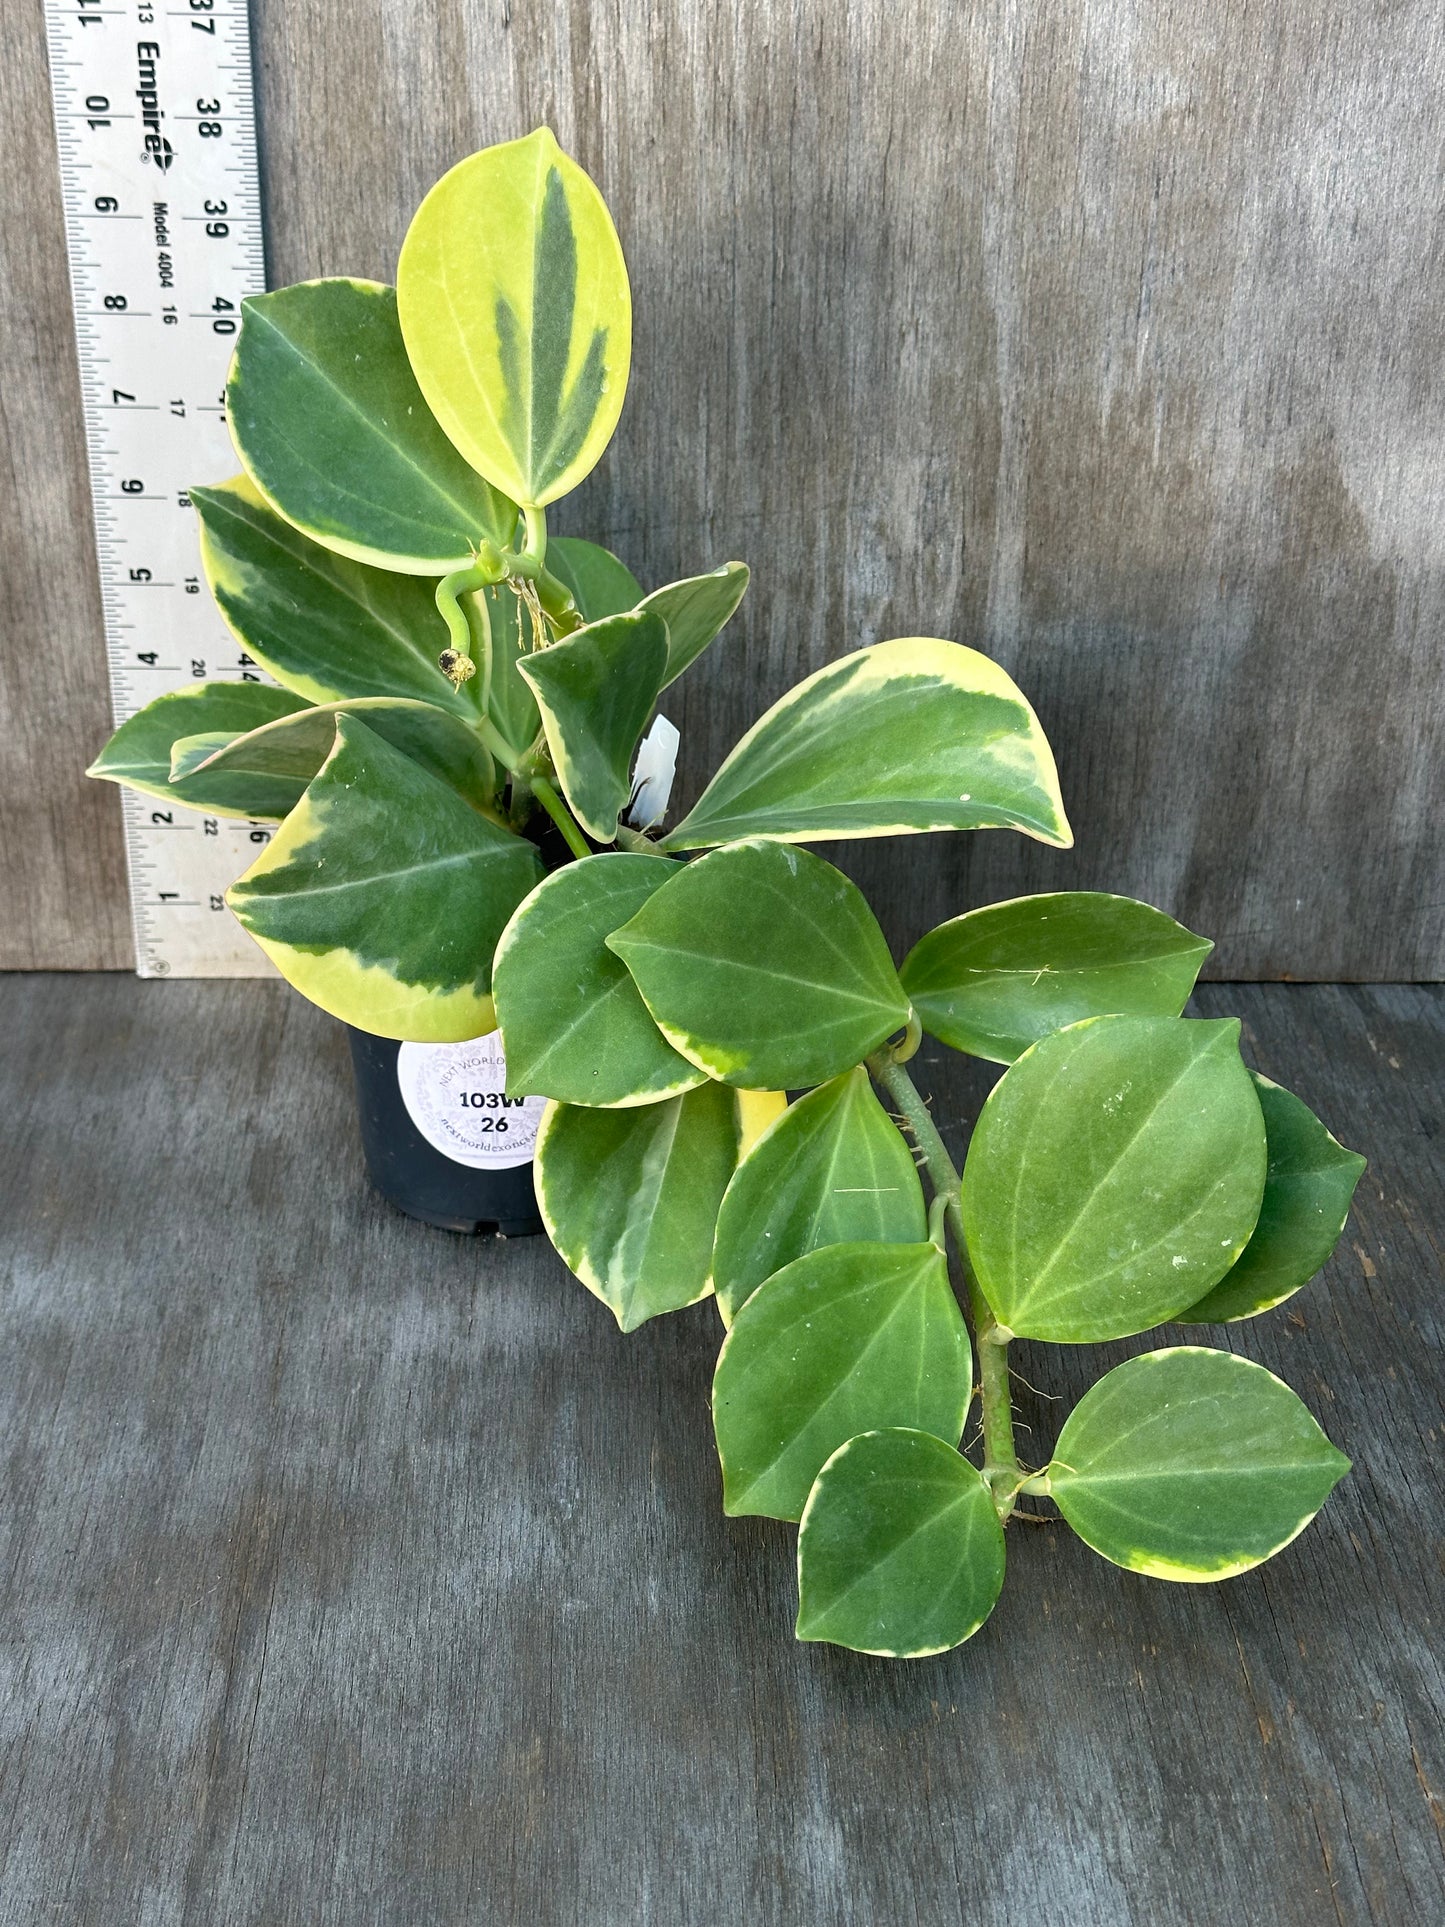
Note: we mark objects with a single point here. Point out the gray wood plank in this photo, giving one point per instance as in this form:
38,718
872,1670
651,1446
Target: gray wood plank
352,1572
1111,347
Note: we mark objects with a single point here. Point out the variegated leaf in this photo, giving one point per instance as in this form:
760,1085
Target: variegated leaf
294,747
596,689
630,1197
695,611
1191,1464
914,734
572,1021
997,979
834,1169
382,896
330,425
139,754
764,966
517,315
900,1553
843,1339
323,625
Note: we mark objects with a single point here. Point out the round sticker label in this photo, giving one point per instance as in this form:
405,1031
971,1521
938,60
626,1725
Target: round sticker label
455,1096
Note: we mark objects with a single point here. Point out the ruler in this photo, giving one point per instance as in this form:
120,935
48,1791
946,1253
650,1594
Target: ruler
155,122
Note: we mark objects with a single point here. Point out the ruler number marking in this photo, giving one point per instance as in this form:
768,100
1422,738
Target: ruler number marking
155,128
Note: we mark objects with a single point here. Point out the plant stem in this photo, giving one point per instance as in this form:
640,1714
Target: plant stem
555,597
520,803
486,570
937,1211
535,521
1001,1468
497,744
637,842
479,623
560,814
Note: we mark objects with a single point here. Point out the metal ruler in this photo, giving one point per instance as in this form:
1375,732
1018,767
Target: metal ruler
155,121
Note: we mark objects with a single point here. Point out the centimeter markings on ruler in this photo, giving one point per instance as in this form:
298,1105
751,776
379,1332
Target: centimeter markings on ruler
155,122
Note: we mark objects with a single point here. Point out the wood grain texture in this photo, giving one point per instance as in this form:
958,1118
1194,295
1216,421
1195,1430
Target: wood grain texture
1104,341
354,1572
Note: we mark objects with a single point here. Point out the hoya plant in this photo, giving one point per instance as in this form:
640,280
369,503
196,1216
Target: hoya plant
451,756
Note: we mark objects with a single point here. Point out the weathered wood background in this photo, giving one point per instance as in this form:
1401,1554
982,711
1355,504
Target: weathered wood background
1105,335
353,1574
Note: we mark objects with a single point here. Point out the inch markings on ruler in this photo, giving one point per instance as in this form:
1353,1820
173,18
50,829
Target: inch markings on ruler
156,127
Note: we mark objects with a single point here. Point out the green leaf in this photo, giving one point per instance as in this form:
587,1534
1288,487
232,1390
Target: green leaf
909,735
1191,1464
600,584
595,690
695,611
764,966
1115,1173
293,748
326,627
330,425
836,1343
833,1170
572,1021
510,703
1307,1191
139,753
517,315
630,1197
901,1552
996,980
382,896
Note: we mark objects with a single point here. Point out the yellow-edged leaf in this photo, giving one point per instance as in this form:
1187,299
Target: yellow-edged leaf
517,315
914,734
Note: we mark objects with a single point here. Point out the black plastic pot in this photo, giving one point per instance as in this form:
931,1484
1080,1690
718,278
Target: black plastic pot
448,1095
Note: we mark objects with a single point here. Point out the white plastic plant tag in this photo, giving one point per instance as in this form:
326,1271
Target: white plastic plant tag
653,774
455,1095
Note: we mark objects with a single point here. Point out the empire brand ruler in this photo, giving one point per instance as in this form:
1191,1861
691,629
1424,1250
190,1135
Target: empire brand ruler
155,121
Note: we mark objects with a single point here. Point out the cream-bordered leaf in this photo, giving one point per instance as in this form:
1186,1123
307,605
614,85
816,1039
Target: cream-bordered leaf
763,965
595,690
914,734
833,1169
840,1341
630,1197
332,429
1116,1163
293,748
1192,1465
996,980
901,1553
325,626
517,315
571,1018
382,896
696,610
139,755
1308,1187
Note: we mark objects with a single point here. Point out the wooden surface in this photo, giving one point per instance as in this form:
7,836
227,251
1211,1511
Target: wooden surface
355,1572
1104,341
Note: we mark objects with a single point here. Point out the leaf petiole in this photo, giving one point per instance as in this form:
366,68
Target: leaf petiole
554,806
1001,1470
511,759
